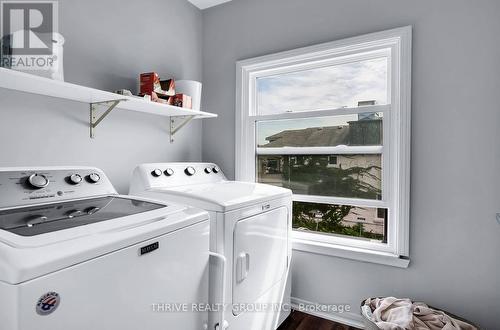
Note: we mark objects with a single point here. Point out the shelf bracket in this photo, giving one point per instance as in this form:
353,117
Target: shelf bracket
178,122
95,119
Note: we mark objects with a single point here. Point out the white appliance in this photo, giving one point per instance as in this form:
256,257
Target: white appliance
76,255
250,226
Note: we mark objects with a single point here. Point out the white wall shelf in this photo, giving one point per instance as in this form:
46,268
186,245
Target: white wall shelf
24,82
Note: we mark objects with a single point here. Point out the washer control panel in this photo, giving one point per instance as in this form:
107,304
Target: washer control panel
20,187
176,174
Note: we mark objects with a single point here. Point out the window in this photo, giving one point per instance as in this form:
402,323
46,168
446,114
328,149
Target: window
381,213
332,123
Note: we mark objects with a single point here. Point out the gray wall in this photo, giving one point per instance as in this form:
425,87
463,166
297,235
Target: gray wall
108,43
455,244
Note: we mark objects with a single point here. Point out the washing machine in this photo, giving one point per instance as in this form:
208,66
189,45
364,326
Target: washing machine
250,226
76,255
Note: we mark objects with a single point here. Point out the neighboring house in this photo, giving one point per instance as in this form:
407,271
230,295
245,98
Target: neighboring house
309,137
373,219
365,131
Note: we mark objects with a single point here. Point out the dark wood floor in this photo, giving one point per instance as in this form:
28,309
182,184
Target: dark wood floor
301,321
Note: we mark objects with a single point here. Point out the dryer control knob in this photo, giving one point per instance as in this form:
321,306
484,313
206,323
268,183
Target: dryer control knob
169,172
208,170
94,177
156,172
38,181
216,169
190,171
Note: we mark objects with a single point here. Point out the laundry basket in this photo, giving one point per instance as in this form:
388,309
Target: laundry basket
369,325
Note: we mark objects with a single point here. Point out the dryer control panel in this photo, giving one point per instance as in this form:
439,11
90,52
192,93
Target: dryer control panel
156,175
26,186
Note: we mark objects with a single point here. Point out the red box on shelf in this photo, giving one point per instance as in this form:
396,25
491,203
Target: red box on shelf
149,82
181,100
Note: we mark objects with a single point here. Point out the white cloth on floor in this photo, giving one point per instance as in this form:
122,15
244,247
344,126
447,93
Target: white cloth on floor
391,313
402,314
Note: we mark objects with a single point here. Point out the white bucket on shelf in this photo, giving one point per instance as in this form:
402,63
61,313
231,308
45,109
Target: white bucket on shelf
191,88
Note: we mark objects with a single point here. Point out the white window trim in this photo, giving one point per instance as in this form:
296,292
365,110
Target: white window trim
342,150
398,113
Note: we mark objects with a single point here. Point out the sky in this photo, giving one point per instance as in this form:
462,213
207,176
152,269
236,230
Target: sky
322,88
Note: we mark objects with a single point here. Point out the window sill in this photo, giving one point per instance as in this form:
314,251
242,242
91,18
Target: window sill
350,253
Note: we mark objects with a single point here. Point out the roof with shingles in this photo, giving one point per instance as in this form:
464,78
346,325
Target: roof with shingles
309,137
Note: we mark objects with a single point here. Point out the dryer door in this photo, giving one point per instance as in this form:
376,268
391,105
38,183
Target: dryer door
260,255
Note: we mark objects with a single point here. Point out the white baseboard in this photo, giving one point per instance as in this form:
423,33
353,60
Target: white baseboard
351,318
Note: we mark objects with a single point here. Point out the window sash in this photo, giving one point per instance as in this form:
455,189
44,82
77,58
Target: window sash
341,240
318,113
340,201
340,149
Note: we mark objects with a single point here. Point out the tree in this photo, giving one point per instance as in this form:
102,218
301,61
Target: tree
305,215
328,218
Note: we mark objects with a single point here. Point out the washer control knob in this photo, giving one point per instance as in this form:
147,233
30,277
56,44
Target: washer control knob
208,170
215,169
75,178
156,172
190,171
169,172
94,177
38,181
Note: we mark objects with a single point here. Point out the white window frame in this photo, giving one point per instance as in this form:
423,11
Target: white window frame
396,44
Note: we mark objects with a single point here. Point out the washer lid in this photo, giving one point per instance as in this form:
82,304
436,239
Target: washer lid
220,196
47,218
